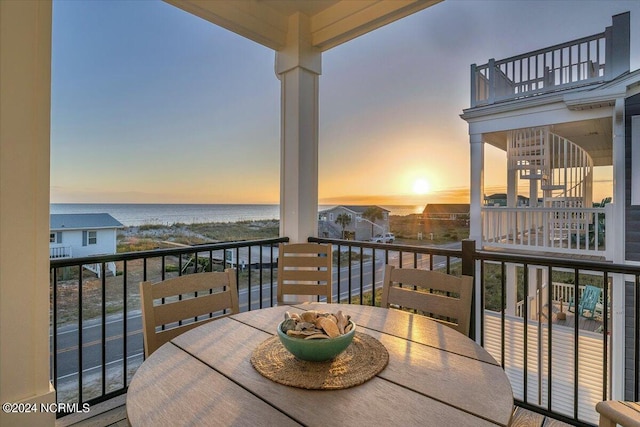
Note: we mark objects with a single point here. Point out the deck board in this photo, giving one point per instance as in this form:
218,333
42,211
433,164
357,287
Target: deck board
113,413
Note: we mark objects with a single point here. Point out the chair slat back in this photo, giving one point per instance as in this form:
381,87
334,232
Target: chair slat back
414,289
187,298
304,269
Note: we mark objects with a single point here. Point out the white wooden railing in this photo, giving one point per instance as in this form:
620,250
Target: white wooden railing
564,292
562,66
569,230
56,252
597,58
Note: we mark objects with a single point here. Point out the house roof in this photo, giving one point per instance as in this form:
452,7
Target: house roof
446,208
359,209
83,221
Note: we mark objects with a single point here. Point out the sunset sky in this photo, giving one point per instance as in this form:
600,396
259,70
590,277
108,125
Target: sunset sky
153,105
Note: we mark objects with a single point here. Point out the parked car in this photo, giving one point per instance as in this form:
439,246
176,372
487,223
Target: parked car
384,238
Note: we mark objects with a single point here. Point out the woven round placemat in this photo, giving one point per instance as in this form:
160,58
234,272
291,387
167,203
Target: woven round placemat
362,360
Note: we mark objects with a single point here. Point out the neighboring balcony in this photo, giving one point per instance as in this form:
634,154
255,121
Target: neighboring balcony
593,59
57,252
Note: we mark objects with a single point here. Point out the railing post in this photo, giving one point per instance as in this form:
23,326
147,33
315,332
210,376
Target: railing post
474,96
468,254
468,269
617,45
491,96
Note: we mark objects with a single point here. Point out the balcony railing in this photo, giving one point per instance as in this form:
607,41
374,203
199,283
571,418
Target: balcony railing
579,231
56,252
96,332
557,370
593,59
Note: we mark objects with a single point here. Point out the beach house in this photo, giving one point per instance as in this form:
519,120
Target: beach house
82,235
359,222
562,113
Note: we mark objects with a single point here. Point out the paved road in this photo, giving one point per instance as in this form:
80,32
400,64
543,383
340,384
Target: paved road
68,336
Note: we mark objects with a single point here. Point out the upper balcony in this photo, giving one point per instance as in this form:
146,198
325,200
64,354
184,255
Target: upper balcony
589,60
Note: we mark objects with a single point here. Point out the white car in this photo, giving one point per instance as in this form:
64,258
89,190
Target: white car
384,238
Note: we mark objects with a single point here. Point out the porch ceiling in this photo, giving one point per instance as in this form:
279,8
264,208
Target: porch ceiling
333,22
595,136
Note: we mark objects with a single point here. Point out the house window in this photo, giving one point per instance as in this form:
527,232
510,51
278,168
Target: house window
89,238
52,237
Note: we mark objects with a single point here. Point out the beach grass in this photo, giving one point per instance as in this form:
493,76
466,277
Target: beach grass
150,237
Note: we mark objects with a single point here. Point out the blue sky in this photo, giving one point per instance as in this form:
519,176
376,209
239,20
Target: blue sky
151,104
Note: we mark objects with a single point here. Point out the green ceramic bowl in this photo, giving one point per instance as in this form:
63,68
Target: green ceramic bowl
316,350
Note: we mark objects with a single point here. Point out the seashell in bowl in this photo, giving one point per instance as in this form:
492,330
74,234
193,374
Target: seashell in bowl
316,347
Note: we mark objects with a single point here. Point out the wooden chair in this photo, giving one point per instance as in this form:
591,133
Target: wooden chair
613,412
203,294
438,305
304,269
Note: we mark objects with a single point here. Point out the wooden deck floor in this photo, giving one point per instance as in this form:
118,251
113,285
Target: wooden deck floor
584,323
113,413
110,413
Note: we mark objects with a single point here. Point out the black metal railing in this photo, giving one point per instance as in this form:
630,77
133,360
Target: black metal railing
556,368
96,327
102,312
565,368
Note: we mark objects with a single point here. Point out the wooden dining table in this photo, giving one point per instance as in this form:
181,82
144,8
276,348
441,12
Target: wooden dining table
435,376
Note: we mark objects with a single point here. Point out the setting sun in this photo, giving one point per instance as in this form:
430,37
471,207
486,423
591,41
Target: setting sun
420,186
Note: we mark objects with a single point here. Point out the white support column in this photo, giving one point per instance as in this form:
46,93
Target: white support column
616,237
25,110
534,286
512,178
511,290
298,67
475,210
476,145
512,188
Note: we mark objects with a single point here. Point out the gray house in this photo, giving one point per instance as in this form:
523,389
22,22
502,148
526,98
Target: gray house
358,227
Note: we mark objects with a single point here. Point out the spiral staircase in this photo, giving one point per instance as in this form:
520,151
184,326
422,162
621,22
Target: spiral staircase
561,175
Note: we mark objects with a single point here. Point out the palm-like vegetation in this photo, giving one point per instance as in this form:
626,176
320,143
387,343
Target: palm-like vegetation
372,214
343,220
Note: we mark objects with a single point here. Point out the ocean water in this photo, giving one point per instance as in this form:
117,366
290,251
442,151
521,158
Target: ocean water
131,214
